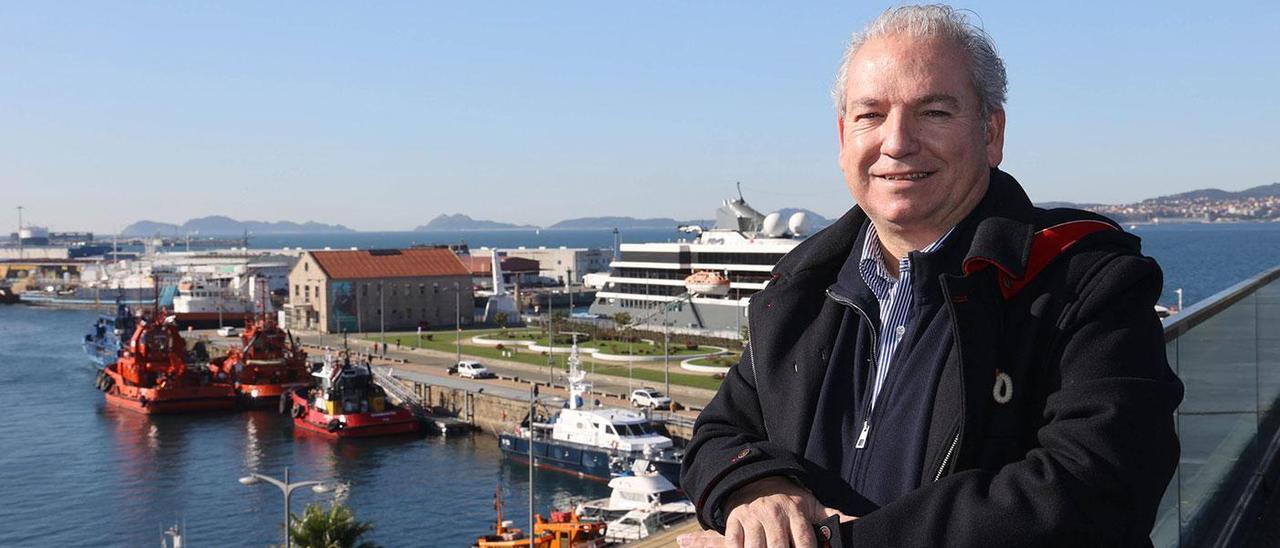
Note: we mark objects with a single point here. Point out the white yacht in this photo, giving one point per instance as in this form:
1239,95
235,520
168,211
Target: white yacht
645,491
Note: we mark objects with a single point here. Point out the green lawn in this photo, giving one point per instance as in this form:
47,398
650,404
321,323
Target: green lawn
719,361
650,373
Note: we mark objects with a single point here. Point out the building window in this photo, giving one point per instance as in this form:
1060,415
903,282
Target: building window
306,267
422,289
435,288
364,290
297,290
408,313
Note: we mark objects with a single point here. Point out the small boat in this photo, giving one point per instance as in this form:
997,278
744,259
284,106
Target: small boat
108,335
151,375
563,530
644,491
268,364
707,283
346,403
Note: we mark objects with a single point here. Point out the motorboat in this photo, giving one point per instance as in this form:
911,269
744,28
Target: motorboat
267,363
346,402
152,374
598,443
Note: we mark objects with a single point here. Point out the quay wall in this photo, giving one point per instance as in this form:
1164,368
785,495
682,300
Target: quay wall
494,414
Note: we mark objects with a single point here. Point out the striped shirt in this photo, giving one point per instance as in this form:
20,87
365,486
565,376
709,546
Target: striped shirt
894,296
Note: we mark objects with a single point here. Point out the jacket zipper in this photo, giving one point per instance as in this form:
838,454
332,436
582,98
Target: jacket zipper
875,338
946,459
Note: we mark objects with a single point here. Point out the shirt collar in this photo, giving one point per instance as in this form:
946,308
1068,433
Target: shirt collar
871,265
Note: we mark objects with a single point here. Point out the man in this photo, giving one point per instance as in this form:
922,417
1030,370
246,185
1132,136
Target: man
947,364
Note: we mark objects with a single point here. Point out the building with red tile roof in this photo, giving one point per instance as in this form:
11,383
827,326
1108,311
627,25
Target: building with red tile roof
374,290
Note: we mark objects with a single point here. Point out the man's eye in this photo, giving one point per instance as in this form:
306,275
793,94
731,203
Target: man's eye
937,113
868,116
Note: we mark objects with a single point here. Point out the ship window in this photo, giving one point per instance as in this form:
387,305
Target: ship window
609,428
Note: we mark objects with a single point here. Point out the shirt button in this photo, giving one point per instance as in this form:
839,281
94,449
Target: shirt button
901,329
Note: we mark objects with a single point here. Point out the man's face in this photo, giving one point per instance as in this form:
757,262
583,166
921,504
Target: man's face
913,147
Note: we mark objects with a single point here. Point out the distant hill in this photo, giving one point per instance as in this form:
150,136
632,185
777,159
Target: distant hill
815,220
625,222
463,222
1265,191
218,225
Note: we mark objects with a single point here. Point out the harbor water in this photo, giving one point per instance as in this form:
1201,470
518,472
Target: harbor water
75,473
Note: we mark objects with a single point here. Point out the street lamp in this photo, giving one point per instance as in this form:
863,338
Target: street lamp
666,352
457,320
287,488
533,398
382,310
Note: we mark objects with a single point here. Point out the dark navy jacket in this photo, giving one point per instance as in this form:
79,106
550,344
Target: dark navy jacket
888,465
1075,448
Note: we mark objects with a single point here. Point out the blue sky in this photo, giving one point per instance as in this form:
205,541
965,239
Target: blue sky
383,116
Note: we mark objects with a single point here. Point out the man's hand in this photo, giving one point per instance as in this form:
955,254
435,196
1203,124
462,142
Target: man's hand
774,512
701,539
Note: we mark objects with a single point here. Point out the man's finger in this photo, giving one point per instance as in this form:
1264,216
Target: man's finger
802,533
754,535
733,534
828,512
778,533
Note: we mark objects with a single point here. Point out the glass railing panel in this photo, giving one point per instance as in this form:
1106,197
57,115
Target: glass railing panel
1268,354
1218,420
1165,533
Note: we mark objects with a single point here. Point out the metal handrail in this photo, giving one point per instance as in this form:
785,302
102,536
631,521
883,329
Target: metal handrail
1186,320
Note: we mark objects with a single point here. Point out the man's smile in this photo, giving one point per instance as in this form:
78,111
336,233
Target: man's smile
905,175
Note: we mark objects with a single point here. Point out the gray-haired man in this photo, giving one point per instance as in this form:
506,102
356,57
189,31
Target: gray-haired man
947,364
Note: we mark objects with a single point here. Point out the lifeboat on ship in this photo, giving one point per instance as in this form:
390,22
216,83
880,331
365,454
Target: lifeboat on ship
707,283
151,375
345,402
268,363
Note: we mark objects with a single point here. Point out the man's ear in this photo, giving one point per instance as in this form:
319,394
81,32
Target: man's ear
840,129
995,138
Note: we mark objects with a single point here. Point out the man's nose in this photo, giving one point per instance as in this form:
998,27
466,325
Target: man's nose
898,136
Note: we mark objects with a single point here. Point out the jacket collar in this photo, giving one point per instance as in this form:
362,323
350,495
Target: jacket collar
1004,228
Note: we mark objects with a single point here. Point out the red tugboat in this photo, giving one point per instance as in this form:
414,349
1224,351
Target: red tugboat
269,363
151,375
346,403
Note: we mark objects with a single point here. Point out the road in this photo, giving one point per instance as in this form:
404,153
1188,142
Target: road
434,364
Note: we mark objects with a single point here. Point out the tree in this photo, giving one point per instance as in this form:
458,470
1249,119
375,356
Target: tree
500,318
622,319
337,528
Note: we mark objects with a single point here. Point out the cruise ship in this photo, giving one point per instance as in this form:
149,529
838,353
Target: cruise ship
701,285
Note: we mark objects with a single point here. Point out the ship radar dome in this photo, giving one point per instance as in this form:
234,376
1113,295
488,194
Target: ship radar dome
773,226
798,223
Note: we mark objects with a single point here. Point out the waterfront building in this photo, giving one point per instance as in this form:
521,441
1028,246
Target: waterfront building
515,270
378,290
562,264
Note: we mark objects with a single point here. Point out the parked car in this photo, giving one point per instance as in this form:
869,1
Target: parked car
473,370
648,397
228,331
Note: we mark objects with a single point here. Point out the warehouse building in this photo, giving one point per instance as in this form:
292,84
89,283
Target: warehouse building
374,290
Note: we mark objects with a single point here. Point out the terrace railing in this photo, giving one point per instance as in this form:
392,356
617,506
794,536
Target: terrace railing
1226,349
